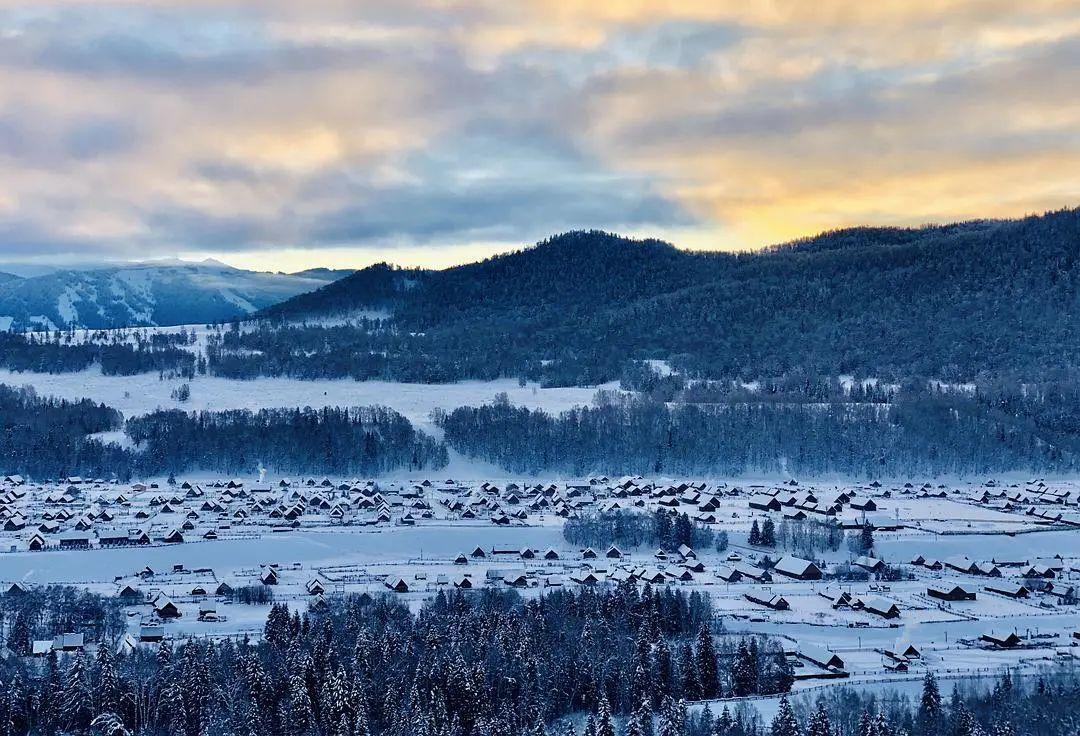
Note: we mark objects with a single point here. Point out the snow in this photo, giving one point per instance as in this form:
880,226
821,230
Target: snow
65,306
238,301
310,548
140,394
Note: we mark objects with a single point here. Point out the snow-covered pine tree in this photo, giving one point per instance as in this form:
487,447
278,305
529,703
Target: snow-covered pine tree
708,670
590,726
77,699
819,724
929,716
784,722
108,690
604,724
688,673
755,534
725,724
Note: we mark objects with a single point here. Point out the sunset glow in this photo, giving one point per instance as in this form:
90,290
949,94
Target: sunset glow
281,135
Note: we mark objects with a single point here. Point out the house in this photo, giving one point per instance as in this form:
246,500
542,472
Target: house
16,589
728,574
775,602
797,568
953,592
754,573
962,564
398,585
838,598
1003,641
516,579
463,582
1012,590
36,542
764,503
864,504
151,632
870,564
585,577
820,656
1040,571
164,607
613,553
75,540
269,576
878,606
128,593
69,642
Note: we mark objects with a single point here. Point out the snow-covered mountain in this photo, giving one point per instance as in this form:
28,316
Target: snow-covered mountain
146,294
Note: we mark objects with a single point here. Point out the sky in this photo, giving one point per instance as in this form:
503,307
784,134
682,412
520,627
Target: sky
281,135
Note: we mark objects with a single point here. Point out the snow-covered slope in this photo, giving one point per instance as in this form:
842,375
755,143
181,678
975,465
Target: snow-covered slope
155,293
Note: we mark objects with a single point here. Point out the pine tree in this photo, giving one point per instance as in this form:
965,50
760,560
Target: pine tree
881,725
725,724
768,533
784,722
109,724
866,724
691,688
108,691
819,722
930,711
708,670
866,539
77,702
755,534
642,718
604,724
672,719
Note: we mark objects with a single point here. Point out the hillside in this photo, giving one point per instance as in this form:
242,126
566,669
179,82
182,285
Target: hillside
155,293
946,301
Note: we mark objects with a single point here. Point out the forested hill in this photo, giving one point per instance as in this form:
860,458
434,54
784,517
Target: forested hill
945,301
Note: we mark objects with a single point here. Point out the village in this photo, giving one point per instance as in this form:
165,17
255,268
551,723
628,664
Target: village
959,578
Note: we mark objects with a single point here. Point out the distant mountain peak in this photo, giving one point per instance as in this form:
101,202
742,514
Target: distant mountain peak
151,293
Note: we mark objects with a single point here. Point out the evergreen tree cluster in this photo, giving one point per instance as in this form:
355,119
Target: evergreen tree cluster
486,664
50,438
361,441
490,664
928,431
47,438
43,612
663,528
59,353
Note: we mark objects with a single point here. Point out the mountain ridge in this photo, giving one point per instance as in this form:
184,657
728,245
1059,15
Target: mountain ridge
144,294
940,300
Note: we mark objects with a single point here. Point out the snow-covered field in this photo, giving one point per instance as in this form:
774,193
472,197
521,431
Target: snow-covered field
145,392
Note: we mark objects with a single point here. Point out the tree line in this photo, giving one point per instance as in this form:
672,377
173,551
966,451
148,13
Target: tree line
664,529
925,430
46,438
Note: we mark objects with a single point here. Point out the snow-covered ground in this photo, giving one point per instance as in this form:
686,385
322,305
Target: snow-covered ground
145,392
236,532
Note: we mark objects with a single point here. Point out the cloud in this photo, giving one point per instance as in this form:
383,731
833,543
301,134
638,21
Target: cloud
267,126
